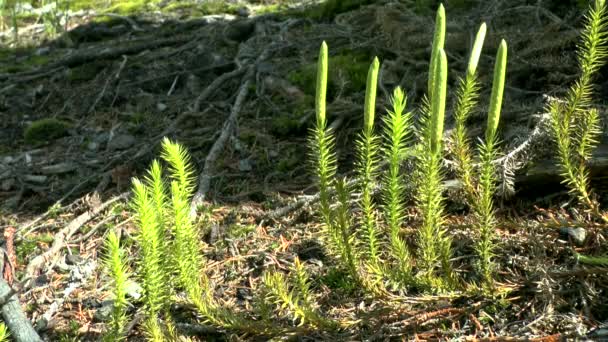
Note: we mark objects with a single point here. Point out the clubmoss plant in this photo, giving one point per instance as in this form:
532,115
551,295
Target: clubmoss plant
4,334
467,95
116,265
367,169
488,152
397,131
296,300
337,225
438,43
342,232
480,185
150,239
574,124
433,242
323,142
171,250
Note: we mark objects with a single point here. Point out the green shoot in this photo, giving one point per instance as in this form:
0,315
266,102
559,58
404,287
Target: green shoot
322,143
397,129
433,241
574,125
488,152
116,264
4,334
438,43
367,167
341,231
467,95
150,241
296,301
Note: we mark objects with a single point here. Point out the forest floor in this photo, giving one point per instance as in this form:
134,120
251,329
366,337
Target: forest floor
120,80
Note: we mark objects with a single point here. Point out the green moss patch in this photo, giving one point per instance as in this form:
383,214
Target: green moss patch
85,72
45,130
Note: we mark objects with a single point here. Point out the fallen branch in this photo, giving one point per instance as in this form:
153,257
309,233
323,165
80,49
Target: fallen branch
205,176
94,55
214,86
59,241
20,327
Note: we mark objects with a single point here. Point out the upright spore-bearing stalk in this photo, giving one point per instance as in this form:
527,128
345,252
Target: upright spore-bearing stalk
467,95
433,241
488,151
367,166
322,145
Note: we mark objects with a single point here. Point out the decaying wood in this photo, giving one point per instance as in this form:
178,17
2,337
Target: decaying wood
60,239
95,54
205,177
19,326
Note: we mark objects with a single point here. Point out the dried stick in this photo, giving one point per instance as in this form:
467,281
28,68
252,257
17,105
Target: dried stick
205,176
64,234
214,86
20,327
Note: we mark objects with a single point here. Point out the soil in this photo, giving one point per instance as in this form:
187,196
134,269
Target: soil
119,86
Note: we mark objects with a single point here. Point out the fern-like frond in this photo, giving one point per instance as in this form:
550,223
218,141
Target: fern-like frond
153,330
116,265
467,94
484,207
302,283
591,52
484,210
429,201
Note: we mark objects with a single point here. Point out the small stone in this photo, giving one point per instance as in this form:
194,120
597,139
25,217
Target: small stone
73,259
92,146
103,313
578,234
101,137
7,184
243,12
245,165
121,142
243,294
43,51
133,290
7,160
161,107
41,280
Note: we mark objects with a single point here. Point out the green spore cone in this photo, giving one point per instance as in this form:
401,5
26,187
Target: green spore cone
370,95
498,86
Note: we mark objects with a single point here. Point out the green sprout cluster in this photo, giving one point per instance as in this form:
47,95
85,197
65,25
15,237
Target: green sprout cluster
363,219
